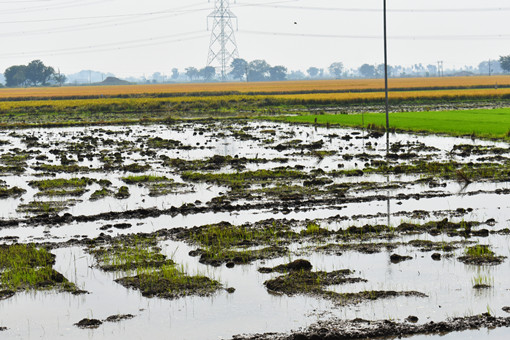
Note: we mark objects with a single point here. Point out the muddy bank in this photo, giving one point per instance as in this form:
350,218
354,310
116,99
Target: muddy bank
337,329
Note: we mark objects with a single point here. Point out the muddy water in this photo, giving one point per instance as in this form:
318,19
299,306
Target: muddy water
251,308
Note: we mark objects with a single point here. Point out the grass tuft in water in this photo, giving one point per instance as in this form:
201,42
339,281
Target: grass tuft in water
26,267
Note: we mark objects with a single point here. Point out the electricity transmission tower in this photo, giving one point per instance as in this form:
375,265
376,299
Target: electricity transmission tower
223,47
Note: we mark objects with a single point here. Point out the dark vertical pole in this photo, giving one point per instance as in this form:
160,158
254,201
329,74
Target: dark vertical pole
387,105
386,80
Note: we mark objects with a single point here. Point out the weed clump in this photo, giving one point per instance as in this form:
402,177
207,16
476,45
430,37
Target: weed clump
157,185
130,253
122,193
154,274
169,282
12,192
315,283
24,267
480,255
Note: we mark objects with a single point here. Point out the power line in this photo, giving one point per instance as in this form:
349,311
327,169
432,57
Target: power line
378,10
67,4
401,37
85,26
171,10
152,41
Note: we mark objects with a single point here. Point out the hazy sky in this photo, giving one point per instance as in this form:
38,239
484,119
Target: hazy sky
133,37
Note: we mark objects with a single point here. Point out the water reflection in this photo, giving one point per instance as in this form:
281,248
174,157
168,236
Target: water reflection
388,177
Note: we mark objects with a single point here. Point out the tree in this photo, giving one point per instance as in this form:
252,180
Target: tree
59,78
432,70
312,71
258,70
208,73
15,75
504,62
192,73
38,73
175,73
277,73
157,77
379,71
239,68
489,67
367,71
336,69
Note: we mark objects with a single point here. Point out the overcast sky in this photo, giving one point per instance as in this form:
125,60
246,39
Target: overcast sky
133,37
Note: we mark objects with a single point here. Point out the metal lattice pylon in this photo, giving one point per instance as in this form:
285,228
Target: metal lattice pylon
223,47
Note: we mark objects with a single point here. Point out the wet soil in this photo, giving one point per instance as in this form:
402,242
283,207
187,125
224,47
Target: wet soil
89,323
384,329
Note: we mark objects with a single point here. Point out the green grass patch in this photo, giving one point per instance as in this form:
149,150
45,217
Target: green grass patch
145,179
155,275
60,183
131,253
487,123
170,282
26,267
240,179
11,192
480,254
101,193
45,207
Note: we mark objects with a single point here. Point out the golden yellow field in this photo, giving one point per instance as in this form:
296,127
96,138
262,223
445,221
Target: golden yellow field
265,87
148,103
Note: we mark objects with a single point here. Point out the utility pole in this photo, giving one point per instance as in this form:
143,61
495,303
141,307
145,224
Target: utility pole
386,81
223,46
490,69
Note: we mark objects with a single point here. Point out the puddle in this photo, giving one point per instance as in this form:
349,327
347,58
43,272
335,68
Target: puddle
309,154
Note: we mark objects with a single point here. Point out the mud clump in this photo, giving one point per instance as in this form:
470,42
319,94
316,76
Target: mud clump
297,265
436,257
216,257
412,319
119,317
6,294
315,283
175,285
306,282
396,258
89,323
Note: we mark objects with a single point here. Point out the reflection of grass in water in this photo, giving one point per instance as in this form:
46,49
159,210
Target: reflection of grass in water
27,267
481,280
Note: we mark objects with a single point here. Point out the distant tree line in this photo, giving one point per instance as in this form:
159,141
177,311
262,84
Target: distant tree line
36,73
257,70
33,74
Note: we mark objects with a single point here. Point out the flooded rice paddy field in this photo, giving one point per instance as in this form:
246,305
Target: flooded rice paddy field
215,228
